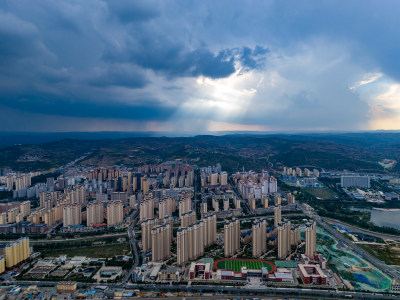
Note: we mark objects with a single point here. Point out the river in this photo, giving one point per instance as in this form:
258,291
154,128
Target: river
383,217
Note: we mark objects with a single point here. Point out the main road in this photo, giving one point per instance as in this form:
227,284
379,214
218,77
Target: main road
238,195
132,240
240,291
361,230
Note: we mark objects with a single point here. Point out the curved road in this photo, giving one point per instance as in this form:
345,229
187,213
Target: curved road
361,230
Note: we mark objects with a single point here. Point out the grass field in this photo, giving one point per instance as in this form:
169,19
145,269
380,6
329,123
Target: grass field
389,254
236,265
103,251
322,193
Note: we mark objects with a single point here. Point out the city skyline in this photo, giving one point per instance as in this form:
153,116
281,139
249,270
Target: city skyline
199,67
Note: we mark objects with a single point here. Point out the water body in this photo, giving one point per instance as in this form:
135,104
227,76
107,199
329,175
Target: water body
383,217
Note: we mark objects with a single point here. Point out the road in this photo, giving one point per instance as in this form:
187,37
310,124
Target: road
361,230
90,237
236,191
132,240
372,259
231,290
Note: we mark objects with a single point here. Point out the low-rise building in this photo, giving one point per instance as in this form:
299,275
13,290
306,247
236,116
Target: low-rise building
170,273
311,274
66,286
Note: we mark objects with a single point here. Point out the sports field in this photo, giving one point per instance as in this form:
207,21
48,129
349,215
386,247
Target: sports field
236,264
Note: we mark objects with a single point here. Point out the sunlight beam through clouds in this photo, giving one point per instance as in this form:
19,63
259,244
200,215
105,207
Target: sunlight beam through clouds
200,65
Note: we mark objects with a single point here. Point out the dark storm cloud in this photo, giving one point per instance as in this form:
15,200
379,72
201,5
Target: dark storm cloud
148,110
253,59
129,11
119,75
62,58
168,57
127,59
172,60
18,39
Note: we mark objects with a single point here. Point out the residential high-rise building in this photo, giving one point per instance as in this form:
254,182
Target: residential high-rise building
147,225
12,215
188,218
18,218
295,237
210,229
182,245
203,207
236,201
169,220
25,208
290,198
223,178
16,252
277,215
231,237
95,213
215,204
264,200
132,202
166,207
2,264
161,242
18,181
195,240
252,203
72,215
214,179
49,217
77,195
311,239
115,213
284,239
272,185
3,218
226,203
146,209
48,200
145,185
277,199
185,205
259,237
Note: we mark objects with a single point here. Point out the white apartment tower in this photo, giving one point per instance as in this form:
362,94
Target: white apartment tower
72,215
95,213
231,237
259,237
115,213
311,239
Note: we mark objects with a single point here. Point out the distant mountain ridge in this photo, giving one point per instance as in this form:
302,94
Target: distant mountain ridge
333,151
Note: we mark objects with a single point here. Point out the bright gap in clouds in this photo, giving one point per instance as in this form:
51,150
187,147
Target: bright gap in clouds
368,78
224,99
385,109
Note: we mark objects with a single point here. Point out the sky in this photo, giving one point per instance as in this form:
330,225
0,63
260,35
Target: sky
199,66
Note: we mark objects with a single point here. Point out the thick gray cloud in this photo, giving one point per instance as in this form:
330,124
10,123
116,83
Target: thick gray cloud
268,63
